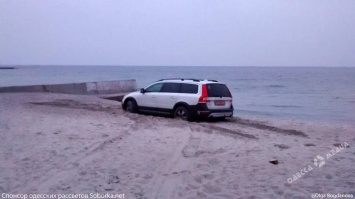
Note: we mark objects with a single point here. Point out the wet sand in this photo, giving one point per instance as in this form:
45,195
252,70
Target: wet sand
59,143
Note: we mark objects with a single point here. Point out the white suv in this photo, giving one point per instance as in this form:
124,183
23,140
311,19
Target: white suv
182,98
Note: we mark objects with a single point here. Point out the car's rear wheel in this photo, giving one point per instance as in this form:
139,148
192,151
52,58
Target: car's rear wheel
182,113
131,106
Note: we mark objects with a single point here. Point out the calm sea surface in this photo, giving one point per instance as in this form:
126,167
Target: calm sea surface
314,93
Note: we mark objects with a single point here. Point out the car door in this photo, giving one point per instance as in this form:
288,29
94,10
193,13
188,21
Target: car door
148,99
167,97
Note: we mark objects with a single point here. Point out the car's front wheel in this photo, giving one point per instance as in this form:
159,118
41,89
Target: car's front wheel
182,113
131,106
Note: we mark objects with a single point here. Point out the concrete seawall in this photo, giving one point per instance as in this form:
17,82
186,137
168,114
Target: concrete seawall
88,88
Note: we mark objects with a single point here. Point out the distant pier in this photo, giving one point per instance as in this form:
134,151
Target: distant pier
7,67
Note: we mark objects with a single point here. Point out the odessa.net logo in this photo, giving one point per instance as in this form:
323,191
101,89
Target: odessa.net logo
319,161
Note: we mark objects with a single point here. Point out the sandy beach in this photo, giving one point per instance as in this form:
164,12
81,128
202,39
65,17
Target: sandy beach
73,144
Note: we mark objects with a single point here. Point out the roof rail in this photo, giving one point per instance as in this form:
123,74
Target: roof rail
182,79
193,79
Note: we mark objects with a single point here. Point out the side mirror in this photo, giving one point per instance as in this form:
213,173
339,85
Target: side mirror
142,90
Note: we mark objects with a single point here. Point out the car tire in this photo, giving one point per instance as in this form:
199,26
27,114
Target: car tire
182,112
131,106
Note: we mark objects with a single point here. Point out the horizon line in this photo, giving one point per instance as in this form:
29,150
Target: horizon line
119,65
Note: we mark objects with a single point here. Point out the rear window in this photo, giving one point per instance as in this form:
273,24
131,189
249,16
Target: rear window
189,88
218,90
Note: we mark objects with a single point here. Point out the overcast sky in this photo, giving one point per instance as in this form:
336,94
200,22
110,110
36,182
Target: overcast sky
178,32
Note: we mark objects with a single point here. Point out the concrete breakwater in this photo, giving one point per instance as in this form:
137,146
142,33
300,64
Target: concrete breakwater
87,88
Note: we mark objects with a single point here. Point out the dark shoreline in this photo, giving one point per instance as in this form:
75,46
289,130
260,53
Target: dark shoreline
7,67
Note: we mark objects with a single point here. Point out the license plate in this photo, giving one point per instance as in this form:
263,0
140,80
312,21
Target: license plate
219,103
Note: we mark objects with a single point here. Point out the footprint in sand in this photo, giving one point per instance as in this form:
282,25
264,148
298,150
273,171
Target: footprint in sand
281,146
190,150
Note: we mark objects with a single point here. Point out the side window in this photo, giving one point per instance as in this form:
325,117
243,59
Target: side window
189,88
171,88
154,88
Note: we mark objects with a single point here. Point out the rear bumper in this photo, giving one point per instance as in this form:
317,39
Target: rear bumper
221,114
201,110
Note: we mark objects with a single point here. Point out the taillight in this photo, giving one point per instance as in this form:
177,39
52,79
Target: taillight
204,96
230,94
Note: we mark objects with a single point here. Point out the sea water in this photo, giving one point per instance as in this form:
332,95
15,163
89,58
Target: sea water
302,93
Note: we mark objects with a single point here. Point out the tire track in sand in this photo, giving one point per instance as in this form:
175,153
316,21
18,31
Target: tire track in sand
169,176
49,178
